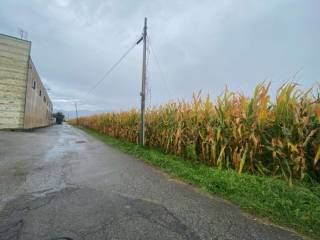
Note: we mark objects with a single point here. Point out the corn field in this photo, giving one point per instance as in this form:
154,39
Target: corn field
247,134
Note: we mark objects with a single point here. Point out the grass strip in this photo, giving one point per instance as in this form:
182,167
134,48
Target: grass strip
296,207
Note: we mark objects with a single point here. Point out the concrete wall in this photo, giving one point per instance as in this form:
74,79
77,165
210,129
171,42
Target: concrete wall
38,109
21,104
14,55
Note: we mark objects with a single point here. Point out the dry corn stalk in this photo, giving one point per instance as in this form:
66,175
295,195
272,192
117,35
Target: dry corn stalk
238,132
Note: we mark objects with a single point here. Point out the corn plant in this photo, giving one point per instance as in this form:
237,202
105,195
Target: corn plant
251,134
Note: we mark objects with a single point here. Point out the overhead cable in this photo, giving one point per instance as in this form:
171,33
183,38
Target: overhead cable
160,68
113,67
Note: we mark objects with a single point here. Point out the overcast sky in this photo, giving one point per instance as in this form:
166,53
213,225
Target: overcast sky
200,45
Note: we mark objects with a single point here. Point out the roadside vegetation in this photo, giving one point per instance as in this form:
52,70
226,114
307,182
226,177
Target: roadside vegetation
261,155
246,134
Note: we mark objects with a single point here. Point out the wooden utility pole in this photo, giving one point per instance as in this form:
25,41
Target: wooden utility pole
144,79
76,113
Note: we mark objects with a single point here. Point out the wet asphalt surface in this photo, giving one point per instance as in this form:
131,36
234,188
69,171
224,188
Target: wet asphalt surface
60,183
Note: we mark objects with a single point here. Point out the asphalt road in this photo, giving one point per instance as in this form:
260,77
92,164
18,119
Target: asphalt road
60,183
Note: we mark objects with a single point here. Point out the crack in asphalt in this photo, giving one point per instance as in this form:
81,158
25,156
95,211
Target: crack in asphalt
174,225
111,215
12,231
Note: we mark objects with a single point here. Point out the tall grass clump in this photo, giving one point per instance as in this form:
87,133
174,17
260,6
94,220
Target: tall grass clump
251,134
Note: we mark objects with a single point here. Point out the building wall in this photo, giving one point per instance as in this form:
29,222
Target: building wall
14,55
38,110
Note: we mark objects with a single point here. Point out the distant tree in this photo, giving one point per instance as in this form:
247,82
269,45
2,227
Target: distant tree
59,117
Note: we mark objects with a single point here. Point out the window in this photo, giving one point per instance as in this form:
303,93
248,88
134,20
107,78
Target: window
34,85
40,93
44,98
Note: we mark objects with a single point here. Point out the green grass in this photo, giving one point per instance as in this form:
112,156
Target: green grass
297,207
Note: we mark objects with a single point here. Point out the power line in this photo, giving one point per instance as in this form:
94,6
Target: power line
148,85
113,67
159,68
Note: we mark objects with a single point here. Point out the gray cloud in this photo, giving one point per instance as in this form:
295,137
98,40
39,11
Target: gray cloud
201,45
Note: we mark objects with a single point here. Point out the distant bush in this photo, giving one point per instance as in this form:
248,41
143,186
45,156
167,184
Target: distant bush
59,117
